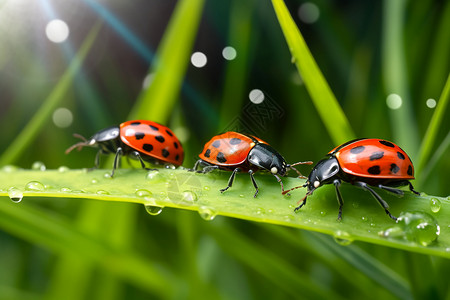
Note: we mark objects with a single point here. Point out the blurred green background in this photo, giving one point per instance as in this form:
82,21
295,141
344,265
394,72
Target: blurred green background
367,50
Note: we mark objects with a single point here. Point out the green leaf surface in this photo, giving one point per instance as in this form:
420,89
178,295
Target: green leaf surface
363,219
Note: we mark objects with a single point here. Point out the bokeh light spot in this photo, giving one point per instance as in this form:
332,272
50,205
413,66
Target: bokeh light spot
57,31
431,103
198,59
229,53
394,101
308,13
256,96
62,117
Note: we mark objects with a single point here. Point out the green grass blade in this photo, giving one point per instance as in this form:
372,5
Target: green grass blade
323,98
26,136
170,63
58,234
363,219
403,126
433,128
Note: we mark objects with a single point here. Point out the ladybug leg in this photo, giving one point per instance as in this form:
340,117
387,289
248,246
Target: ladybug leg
391,189
337,184
411,188
282,186
96,161
119,153
255,184
230,180
380,200
136,154
206,167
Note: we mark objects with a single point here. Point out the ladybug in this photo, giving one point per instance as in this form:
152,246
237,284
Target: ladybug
139,139
365,163
237,152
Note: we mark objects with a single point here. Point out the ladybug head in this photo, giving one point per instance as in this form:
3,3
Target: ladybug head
267,158
324,172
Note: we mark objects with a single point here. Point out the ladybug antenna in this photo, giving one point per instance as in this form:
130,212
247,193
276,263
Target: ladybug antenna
291,167
78,145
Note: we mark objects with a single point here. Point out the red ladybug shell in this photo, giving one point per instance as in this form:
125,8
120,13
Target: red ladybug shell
152,139
374,158
228,149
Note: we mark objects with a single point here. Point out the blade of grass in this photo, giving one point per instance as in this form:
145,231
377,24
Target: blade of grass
58,234
394,72
318,215
323,98
435,125
171,62
34,126
280,272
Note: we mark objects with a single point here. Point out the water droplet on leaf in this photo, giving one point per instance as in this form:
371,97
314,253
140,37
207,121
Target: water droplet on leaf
143,193
65,190
63,169
102,192
435,205
34,186
15,194
343,238
154,210
38,166
206,213
189,196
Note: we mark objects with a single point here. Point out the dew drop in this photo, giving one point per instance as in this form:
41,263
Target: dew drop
102,192
154,176
418,227
9,168
260,211
154,210
323,213
34,186
38,166
15,194
206,188
63,169
170,166
189,196
343,238
435,205
143,193
65,190
107,175
206,213
94,181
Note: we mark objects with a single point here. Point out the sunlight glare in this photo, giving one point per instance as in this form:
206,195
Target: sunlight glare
57,31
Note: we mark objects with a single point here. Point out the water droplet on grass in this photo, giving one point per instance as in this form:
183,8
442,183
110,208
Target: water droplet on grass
107,175
102,192
9,168
189,196
206,213
94,181
143,193
154,210
15,194
435,205
343,238
38,166
34,186
65,190
63,169
418,227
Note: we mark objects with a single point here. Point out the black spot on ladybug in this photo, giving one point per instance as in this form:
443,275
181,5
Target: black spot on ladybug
139,135
221,158
400,155
357,150
169,133
135,123
394,168
386,143
410,170
235,141
216,144
147,147
376,155
154,127
175,145
160,138
374,170
177,157
165,153
208,153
